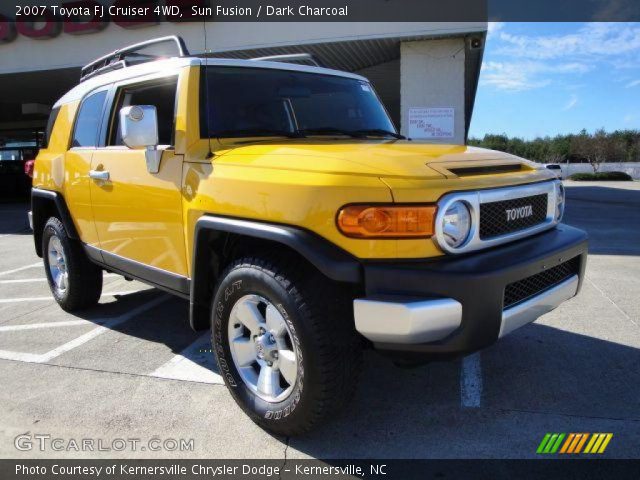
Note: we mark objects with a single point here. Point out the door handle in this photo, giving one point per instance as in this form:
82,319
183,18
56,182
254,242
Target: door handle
99,174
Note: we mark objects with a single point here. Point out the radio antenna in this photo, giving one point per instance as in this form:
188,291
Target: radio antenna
210,153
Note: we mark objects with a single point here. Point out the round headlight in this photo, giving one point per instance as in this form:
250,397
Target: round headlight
456,224
560,198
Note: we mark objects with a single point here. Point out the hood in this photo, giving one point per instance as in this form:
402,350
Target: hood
380,158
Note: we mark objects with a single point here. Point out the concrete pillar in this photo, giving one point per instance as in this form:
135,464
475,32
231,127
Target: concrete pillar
432,75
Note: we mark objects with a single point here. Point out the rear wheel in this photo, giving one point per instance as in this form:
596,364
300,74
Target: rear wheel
75,282
285,343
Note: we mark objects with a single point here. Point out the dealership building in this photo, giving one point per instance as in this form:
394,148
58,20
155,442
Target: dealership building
425,73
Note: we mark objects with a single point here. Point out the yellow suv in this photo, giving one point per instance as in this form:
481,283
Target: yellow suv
280,200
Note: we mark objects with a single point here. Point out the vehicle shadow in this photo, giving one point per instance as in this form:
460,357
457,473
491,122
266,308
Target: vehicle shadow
166,323
610,233
537,380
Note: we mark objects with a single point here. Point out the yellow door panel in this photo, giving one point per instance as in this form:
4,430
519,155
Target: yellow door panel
77,192
138,215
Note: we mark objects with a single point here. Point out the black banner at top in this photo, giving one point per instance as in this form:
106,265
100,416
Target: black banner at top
146,11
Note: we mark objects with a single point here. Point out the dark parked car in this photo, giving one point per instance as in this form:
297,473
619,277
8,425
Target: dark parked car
14,179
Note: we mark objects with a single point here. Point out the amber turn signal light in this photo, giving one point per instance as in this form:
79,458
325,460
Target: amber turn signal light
387,221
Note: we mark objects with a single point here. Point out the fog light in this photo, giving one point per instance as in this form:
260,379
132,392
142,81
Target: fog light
456,224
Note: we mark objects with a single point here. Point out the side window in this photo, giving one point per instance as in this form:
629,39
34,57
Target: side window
85,132
161,95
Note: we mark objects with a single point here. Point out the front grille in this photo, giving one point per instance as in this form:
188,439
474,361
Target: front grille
495,219
531,286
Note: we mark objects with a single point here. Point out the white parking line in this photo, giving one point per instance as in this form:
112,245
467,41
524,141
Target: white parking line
35,326
25,299
615,305
471,381
45,299
44,279
194,364
20,356
23,280
106,324
8,272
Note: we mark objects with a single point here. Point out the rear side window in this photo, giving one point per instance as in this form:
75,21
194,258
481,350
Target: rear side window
85,133
50,123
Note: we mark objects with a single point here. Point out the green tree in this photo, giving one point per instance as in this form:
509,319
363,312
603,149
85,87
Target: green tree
596,148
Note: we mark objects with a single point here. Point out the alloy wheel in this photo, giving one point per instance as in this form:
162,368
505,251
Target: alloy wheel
262,348
58,265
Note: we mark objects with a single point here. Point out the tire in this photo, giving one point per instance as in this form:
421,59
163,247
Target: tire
75,282
319,333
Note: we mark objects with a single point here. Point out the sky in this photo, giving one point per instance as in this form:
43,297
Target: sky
541,79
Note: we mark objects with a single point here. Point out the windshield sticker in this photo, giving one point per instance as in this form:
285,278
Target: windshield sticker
431,122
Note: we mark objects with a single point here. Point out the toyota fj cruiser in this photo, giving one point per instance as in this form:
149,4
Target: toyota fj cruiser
279,199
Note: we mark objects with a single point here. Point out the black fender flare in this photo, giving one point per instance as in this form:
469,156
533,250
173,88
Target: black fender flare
40,201
332,261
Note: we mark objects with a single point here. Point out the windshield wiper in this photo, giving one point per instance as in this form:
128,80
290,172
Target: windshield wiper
330,131
303,132
257,132
379,132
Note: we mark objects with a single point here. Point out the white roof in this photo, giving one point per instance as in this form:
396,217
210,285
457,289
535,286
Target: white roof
171,66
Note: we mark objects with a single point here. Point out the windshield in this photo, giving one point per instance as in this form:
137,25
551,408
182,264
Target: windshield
239,101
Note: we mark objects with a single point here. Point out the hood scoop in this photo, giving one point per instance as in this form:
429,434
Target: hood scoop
487,169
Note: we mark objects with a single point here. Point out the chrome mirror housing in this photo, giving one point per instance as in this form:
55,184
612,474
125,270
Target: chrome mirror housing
139,129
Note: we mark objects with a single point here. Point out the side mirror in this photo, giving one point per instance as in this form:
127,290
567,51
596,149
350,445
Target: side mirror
139,129
139,126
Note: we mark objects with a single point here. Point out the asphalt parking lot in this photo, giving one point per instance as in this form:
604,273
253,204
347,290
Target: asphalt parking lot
132,368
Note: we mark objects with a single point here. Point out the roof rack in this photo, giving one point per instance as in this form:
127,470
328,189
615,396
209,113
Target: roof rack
118,58
292,57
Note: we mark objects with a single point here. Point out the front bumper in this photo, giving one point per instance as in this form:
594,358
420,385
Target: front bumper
451,306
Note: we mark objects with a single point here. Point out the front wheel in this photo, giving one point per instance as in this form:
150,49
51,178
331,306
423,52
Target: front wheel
285,344
75,282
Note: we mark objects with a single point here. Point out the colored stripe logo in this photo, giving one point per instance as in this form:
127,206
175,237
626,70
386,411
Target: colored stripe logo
574,443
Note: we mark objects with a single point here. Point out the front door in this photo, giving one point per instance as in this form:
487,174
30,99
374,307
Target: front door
138,214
